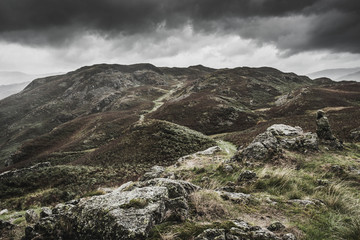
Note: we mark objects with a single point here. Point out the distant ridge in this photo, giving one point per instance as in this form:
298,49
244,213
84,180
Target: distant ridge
337,74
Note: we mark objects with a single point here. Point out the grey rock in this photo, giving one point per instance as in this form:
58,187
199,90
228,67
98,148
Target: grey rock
45,212
246,175
228,168
127,213
289,236
323,131
241,231
285,130
4,211
269,144
242,225
31,216
235,197
155,172
264,234
212,234
276,226
306,202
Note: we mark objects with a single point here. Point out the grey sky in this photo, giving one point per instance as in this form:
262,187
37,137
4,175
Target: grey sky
38,36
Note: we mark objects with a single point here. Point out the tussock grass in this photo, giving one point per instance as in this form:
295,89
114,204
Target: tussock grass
208,206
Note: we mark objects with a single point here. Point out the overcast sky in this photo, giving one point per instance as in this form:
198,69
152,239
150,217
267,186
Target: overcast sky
42,36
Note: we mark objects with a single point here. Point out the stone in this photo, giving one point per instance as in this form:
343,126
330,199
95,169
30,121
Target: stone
31,216
45,212
324,133
289,236
212,234
127,213
155,172
228,168
241,231
247,175
235,197
276,226
4,211
306,202
323,129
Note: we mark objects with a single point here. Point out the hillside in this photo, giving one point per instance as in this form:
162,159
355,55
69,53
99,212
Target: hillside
181,142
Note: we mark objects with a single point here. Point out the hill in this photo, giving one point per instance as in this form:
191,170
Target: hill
73,138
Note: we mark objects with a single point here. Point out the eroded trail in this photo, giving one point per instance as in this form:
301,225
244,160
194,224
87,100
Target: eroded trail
161,100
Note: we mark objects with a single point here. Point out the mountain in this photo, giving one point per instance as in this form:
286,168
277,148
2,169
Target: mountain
92,106
353,76
337,74
159,131
7,90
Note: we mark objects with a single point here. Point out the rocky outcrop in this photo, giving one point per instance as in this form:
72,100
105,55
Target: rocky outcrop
128,212
323,131
269,144
242,230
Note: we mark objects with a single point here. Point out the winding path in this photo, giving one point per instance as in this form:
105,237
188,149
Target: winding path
161,101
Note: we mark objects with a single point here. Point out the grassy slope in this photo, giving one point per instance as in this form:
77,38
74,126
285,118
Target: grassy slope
123,159
299,177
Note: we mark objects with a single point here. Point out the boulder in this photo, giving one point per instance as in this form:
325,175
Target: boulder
4,211
128,212
31,216
228,168
276,226
269,144
289,236
323,129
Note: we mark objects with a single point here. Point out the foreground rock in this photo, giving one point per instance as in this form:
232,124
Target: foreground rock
128,212
269,144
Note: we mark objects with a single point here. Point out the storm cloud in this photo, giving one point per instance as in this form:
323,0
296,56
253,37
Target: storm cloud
291,26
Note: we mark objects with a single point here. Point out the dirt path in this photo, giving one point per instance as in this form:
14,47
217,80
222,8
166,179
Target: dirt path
161,100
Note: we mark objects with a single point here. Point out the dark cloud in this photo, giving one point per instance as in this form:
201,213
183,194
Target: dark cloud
293,26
